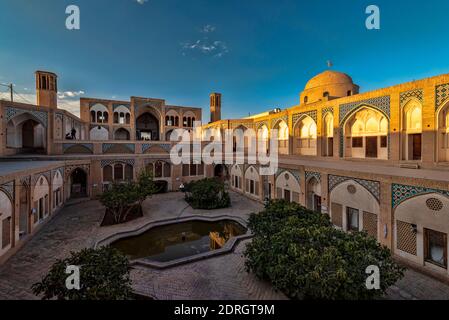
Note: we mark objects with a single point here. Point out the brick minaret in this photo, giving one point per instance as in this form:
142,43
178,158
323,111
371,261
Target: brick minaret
46,89
215,107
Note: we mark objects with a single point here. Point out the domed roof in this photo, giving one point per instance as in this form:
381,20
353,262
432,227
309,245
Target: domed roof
328,78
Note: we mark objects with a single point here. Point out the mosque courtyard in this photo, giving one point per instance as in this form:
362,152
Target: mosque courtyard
77,226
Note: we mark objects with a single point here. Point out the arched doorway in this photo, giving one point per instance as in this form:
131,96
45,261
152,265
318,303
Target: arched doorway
78,183
147,127
412,131
366,134
305,136
283,136
287,187
99,133
26,134
168,135
314,195
121,134
237,177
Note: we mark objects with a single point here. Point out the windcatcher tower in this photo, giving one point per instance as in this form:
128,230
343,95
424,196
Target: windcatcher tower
215,107
46,89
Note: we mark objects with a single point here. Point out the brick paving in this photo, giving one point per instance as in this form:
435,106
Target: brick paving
222,277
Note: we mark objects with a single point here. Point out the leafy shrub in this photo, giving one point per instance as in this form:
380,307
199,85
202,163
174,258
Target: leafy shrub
208,193
303,256
104,275
124,199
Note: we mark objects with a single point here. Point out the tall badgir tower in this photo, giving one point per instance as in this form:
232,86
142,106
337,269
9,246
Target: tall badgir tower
215,107
46,89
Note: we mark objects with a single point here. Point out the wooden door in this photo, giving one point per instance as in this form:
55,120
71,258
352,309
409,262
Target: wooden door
417,146
371,147
287,195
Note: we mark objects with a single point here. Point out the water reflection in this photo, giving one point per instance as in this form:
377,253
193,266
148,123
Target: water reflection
179,240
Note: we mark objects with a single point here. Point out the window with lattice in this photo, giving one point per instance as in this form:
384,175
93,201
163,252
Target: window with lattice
406,237
370,223
337,214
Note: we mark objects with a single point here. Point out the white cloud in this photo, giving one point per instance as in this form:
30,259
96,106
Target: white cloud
205,45
69,94
141,1
210,47
73,106
208,28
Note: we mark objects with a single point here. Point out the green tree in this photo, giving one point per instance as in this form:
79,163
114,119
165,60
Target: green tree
208,193
104,275
304,256
125,198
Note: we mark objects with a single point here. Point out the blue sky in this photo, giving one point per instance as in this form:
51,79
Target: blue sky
258,53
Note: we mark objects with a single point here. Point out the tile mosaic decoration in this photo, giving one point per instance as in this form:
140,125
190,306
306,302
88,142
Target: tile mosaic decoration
441,95
311,113
12,112
165,146
405,96
372,186
400,193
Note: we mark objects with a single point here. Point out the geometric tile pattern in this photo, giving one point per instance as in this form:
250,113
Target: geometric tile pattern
370,223
316,175
247,125
260,124
110,161
60,170
405,96
107,146
380,103
275,120
59,116
326,110
341,144
66,146
25,180
36,177
41,116
372,186
400,193
441,94
294,173
146,146
311,113
406,238
8,188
